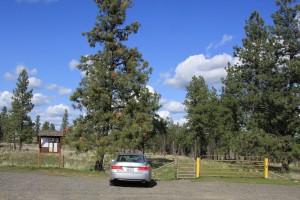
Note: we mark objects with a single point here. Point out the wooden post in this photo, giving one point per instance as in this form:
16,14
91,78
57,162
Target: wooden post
59,159
39,150
39,156
59,151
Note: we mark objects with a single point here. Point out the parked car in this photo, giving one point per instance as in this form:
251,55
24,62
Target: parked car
130,167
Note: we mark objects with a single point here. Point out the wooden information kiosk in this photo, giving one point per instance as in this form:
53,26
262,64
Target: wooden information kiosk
50,142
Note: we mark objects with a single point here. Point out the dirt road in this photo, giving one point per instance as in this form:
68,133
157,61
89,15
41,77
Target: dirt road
29,185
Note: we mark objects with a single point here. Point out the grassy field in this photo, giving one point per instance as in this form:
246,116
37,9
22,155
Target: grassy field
83,164
29,157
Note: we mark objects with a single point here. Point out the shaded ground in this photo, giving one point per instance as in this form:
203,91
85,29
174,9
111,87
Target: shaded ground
29,185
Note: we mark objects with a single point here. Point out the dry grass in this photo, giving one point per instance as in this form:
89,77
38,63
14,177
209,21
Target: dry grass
28,156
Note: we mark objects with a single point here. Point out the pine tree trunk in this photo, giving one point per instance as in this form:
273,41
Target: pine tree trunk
15,146
99,163
20,144
285,165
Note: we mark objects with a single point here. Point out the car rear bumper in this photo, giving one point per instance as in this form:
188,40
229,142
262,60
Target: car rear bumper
144,176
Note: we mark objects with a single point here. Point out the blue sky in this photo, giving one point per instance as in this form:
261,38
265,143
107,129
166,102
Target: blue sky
179,38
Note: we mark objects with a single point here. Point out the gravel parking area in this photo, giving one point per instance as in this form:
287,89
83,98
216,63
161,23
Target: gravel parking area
30,185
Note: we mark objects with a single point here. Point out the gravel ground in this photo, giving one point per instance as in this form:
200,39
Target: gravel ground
30,185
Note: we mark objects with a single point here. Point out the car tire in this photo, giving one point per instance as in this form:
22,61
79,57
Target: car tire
111,183
146,184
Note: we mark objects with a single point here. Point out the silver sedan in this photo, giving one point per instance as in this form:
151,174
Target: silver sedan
130,167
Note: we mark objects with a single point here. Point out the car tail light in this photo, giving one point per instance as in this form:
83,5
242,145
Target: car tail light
116,167
144,168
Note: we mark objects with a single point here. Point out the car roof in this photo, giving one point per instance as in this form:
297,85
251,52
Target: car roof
133,154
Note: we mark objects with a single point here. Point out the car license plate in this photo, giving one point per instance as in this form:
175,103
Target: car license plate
129,169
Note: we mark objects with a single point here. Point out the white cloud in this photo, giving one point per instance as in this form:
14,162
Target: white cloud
163,101
34,83
64,91
175,107
56,120
52,87
5,99
180,121
226,38
39,99
73,64
11,76
20,68
57,110
164,114
151,90
212,70
54,114
61,90
214,45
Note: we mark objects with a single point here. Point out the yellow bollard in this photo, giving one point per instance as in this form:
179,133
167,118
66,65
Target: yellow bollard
266,163
198,167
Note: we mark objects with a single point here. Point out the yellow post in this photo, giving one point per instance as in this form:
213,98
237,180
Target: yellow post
266,168
198,167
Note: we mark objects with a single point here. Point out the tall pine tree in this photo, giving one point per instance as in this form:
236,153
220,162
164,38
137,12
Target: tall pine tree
286,31
113,91
3,123
262,90
46,126
197,102
65,122
37,126
21,107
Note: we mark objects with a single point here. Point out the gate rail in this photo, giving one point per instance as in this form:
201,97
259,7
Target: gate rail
185,168
246,166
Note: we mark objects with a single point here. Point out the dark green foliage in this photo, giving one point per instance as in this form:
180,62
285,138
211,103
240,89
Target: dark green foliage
2,119
197,106
65,122
37,125
204,117
46,126
4,125
52,127
21,106
119,108
261,93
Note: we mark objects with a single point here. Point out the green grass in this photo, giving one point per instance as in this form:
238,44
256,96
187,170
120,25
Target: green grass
228,169
248,180
166,173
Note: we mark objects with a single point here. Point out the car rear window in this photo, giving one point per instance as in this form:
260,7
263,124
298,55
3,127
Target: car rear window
131,158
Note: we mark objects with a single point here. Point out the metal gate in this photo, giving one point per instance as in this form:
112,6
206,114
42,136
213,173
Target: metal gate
185,168
244,166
